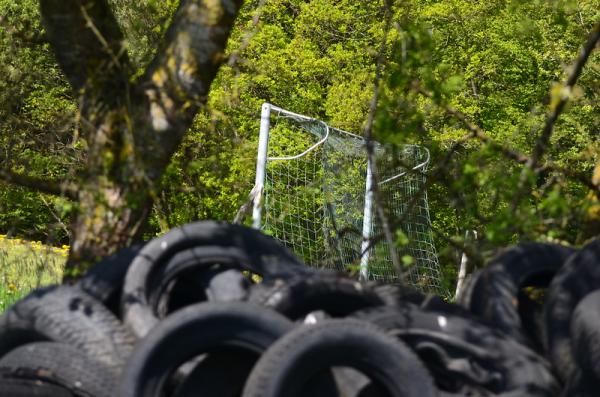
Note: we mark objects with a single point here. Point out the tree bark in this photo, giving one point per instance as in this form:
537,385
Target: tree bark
132,128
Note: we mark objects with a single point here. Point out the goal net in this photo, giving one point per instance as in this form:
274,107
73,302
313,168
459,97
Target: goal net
315,194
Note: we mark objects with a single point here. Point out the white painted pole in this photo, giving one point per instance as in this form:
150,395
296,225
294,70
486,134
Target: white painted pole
367,225
464,261
261,164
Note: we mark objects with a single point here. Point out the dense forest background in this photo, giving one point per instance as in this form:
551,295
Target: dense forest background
473,81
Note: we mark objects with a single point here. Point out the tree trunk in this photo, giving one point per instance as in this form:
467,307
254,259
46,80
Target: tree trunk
132,128
107,219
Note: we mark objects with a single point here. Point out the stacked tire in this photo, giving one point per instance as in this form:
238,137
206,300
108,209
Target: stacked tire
215,309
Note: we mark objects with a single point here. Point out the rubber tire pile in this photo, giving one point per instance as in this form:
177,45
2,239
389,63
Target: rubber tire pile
183,315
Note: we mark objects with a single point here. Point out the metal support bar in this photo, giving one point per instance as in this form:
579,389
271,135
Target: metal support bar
304,153
464,263
367,225
261,164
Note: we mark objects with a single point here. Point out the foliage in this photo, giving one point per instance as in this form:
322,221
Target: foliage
36,122
144,23
495,62
25,265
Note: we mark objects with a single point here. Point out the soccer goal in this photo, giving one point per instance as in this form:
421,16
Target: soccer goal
314,192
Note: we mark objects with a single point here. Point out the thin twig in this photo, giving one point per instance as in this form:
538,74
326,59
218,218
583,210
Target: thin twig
53,187
470,250
565,96
235,55
58,219
368,134
246,208
478,133
90,24
556,108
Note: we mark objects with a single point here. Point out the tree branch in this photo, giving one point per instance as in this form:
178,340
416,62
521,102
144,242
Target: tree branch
177,81
477,133
557,105
86,39
43,185
368,134
558,101
234,57
475,130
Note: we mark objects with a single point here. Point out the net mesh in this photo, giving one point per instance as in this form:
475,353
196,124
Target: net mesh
314,201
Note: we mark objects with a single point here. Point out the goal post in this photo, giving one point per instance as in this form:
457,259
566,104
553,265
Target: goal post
314,192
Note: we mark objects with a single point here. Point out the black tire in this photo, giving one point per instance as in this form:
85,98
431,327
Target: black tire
64,365
68,315
333,294
214,283
10,387
193,246
195,330
465,356
227,285
222,374
464,297
104,280
436,304
585,333
288,366
581,384
398,294
496,295
578,277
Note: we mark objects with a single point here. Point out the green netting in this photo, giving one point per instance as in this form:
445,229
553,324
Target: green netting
314,200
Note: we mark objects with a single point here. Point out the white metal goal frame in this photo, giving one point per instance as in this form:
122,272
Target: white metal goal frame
328,168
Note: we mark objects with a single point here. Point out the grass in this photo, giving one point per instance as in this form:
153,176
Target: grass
25,265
